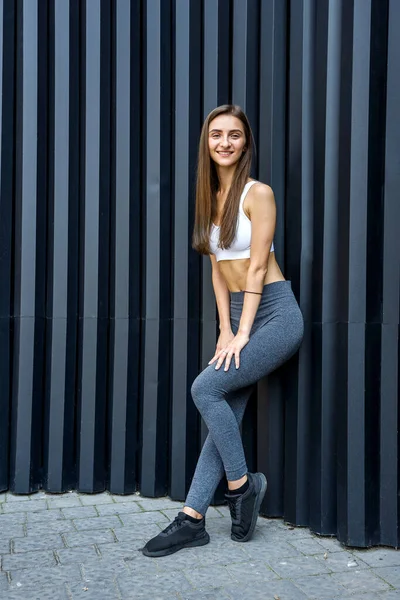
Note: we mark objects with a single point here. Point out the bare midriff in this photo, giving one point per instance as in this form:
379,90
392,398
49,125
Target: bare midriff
235,272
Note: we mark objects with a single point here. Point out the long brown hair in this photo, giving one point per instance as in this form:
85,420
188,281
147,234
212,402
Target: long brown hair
207,185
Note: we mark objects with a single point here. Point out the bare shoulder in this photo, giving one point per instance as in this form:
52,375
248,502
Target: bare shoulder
260,195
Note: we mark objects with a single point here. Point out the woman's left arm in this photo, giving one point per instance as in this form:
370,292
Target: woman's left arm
262,210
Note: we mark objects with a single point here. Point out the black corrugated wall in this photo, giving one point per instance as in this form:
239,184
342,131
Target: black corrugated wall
107,314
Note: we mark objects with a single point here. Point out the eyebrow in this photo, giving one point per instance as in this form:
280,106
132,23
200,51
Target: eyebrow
231,131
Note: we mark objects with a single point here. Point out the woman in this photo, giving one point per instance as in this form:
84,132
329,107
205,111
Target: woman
260,322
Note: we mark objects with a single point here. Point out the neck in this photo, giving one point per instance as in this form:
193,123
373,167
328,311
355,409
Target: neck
225,177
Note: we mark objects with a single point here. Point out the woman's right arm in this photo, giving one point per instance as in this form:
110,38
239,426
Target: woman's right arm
222,296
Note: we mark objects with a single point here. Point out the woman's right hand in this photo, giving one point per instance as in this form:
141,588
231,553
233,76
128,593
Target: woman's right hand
225,337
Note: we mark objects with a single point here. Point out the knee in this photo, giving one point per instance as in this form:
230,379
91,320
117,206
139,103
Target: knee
201,391
197,390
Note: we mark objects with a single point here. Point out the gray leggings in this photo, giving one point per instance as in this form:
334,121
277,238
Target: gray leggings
221,396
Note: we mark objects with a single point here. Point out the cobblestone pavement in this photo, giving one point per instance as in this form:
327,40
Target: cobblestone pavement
75,546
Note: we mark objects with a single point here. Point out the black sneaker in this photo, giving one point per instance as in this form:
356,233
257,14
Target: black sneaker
181,533
244,508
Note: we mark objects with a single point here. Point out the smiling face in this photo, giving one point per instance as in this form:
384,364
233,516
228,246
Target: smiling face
226,140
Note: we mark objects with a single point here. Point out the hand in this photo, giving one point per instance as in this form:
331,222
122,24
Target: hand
233,348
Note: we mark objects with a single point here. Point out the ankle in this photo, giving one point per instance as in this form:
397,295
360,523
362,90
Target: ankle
191,512
238,483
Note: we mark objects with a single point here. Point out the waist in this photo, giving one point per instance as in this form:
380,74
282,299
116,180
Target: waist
270,292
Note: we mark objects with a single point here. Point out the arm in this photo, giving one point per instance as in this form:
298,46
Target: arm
221,295
263,218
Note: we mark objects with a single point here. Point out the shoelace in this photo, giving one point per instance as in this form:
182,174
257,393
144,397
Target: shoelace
176,523
232,503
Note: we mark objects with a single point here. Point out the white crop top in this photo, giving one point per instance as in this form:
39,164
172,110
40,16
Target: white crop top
240,247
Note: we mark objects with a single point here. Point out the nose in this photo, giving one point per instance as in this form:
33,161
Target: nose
225,143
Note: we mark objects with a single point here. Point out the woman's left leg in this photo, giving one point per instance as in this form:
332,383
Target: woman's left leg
269,347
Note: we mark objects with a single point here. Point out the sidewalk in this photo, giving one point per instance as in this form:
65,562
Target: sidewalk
74,546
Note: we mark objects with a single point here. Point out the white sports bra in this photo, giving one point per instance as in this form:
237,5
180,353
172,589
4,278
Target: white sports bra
240,247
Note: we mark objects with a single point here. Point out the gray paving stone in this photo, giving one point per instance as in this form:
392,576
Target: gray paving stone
64,502
344,561
179,561
143,532
4,586
82,554
44,515
95,499
129,551
391,595
5,544
209,577
12,519
224,554
252,571
260,549
357,581
35,542
85,538
152,585
34,578
79,512
308,546
109,522
299,565
70,494
135,497
330,544
2,498
320,586
10,497
13,507
144,517
158,503
215,594
389,574
50,526
266,590
28,560
11,531
118,508
379,557
104,568
47,591
101,590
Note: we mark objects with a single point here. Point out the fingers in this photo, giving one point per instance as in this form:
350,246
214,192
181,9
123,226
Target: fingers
227,357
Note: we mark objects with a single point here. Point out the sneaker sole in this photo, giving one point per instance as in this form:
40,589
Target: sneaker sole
256,510
167,551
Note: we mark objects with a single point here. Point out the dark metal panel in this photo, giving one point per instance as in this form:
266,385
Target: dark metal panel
7,74
157,268
389,509
186,339
94,255
122,418
58,438
294,432
245,63
352,477
216,91
271,401
28,332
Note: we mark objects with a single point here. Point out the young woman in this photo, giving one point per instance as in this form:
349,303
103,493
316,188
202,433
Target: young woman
260,322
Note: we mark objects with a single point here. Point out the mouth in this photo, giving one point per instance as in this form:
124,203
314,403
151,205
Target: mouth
224,153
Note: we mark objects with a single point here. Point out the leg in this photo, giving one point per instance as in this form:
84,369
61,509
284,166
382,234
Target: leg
269,347
210,469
